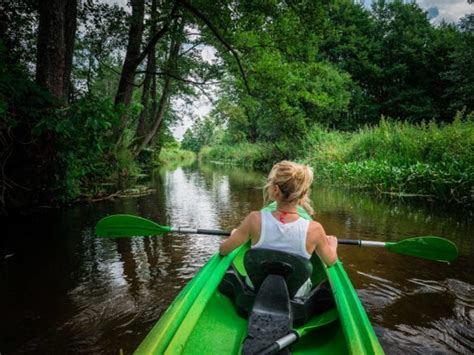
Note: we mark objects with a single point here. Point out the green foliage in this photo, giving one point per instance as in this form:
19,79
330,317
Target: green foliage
290,86
244,154
460,73
426,159
434,160
85,146
21,100
20,19
309,65
200,134
172,153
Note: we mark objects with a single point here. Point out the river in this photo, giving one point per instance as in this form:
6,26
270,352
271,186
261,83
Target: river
63,290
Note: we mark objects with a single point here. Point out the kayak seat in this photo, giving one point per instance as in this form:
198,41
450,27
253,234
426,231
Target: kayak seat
233,286
261,262
276,277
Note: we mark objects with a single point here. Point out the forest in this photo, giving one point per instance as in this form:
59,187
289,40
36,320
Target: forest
377,99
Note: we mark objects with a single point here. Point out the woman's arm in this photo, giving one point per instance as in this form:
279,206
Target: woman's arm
238,236
326,245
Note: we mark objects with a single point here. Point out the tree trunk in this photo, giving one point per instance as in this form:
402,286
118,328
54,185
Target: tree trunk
159,114
56,32
149,79
170,67
125,88
133,59
150,69
70,27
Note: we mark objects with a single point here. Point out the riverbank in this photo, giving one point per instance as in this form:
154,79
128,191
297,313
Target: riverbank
428,160
174,155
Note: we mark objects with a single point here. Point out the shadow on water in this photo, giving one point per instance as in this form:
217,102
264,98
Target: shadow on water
66,291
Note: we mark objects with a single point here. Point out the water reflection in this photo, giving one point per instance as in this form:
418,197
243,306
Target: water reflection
74,293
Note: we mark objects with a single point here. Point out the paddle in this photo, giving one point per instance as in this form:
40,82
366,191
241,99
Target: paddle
427,247
317,321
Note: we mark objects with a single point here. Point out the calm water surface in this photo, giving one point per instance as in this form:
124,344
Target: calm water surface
65,291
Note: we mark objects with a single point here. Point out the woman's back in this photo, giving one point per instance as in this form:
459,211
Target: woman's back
288,237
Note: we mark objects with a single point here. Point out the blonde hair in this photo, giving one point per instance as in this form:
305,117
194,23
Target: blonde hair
294,181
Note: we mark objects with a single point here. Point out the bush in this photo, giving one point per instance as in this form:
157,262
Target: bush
86,148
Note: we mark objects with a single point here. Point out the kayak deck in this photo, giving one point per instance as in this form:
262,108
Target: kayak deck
201,320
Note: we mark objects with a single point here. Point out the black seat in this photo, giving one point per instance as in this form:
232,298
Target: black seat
276,276
260,263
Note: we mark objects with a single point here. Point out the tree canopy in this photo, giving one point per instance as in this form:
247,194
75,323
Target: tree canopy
108,78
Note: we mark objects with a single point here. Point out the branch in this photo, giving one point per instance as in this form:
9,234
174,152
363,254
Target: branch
211,100
214,30
190,49
177,77
157,35
117,72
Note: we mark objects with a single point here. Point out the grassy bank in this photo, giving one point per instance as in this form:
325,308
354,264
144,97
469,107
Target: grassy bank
243,154
431,160
399,158
170,155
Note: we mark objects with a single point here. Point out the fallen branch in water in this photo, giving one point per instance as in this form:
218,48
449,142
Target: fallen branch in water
136,192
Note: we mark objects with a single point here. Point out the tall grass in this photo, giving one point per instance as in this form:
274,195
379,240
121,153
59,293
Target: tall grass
400,158
174,154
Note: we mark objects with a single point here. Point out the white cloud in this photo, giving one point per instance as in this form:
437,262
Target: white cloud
449,10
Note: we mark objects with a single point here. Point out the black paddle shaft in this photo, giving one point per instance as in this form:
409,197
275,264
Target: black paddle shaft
212,232
349,241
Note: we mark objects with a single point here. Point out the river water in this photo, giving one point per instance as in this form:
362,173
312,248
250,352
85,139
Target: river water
65,291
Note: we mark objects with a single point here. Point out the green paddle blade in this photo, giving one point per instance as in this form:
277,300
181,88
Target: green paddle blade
431,248
123,225
318,321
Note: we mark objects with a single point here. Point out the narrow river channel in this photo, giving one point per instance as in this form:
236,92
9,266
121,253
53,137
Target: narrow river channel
65,291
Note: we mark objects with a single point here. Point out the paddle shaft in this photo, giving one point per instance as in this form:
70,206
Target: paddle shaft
199,231
361,243
280,344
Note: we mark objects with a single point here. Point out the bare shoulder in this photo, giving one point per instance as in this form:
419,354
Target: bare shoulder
254,216
315,227
315,230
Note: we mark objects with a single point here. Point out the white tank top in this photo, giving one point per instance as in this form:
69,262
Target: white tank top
287,237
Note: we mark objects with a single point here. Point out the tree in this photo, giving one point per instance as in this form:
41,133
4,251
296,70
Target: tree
200,134
56,34
460,73
132,56
291,87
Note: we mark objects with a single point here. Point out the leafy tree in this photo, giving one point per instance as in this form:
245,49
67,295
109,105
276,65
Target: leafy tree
460,73
290,88
199,135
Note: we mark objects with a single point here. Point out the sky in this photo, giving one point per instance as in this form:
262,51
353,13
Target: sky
447,10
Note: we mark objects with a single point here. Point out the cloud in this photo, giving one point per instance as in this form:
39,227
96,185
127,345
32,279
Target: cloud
449,10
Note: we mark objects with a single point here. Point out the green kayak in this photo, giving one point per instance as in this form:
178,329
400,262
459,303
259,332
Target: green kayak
202,320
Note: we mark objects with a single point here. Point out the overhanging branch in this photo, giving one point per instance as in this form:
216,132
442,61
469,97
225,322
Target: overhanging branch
200,83
214,30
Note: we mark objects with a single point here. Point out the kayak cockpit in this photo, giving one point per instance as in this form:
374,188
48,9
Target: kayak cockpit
268,296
